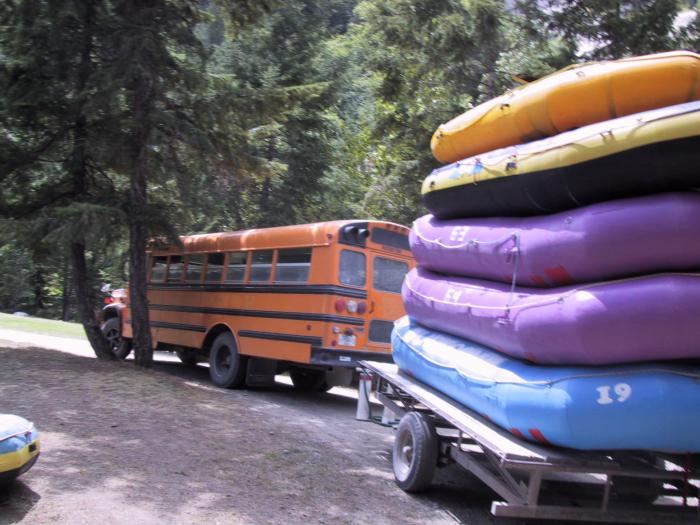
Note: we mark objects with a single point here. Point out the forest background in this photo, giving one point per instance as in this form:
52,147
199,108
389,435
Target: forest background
121,120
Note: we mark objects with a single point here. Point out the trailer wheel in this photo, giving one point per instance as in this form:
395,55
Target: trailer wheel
308,380
415,452
120,347
226,366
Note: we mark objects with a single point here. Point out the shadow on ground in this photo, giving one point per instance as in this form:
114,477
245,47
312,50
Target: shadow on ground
166,445
16,499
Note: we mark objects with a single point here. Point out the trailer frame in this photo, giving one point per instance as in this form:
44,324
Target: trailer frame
661,488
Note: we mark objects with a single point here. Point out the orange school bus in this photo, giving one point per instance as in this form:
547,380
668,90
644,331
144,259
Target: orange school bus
310,299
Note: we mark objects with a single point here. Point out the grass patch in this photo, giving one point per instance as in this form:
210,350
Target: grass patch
37,325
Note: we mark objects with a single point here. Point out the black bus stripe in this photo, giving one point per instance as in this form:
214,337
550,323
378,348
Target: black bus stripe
178,326
313,289
294,316
274,336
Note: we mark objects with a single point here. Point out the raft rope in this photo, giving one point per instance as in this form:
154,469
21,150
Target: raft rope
475,242
543,382
28,430
579,68
560,299
637,122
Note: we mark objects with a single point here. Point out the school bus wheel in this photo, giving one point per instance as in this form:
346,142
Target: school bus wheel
227,367
309,380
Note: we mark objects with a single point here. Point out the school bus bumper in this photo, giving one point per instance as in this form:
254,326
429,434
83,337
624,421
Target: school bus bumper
335,357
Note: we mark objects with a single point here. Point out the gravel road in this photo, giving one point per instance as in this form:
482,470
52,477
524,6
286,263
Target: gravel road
121,445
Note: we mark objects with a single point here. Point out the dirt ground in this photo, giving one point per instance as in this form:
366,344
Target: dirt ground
121,445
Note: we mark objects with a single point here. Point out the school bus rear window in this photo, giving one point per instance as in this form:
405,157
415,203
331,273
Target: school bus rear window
380,331
389,238
352,268
293,265
388,274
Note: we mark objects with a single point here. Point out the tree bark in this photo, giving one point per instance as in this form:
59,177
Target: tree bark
79,171
142,100
138,299
67,291
85,305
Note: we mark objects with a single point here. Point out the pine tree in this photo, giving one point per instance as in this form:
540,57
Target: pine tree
101,100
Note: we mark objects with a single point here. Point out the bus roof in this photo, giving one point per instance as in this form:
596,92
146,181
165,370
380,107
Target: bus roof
315,234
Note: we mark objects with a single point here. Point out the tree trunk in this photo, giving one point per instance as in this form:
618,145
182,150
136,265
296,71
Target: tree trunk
83,298
67,291
138,228
39,283
138,299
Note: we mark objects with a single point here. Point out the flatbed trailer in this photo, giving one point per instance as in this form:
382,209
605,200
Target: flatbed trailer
534,481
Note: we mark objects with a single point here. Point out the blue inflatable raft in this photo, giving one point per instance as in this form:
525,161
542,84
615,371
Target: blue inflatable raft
647,407
19,447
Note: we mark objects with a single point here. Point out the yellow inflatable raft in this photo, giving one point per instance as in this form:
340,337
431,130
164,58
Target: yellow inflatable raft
649,152
573,97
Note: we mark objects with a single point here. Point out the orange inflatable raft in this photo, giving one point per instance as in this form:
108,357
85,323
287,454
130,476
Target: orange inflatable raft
573,97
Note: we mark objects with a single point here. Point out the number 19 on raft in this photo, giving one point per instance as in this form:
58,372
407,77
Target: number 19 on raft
621,391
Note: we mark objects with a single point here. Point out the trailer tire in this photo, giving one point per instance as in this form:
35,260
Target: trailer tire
415,452
111,331
227,367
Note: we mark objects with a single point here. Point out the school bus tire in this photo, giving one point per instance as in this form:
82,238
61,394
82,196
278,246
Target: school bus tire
227,368
309,380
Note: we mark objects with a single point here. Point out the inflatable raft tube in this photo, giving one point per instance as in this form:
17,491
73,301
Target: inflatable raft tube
19,447
621,238
643,407
649,152
571,98
649,318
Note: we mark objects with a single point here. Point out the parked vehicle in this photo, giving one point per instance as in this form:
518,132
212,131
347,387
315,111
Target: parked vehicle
311,299
115,301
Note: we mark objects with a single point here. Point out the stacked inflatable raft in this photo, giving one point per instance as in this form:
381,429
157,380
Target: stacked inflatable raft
19,447
577,328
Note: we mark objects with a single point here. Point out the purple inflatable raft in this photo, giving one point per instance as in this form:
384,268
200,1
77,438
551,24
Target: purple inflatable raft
638,319
599,242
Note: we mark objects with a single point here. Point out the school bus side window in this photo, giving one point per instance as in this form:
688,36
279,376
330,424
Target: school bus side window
293,265
235,272
194,268
215,267
261,266
352,268
175,268
160,263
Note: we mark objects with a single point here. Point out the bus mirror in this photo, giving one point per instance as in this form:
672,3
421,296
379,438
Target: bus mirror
363,232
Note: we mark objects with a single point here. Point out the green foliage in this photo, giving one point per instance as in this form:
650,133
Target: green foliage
241,114
614,29
42,326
